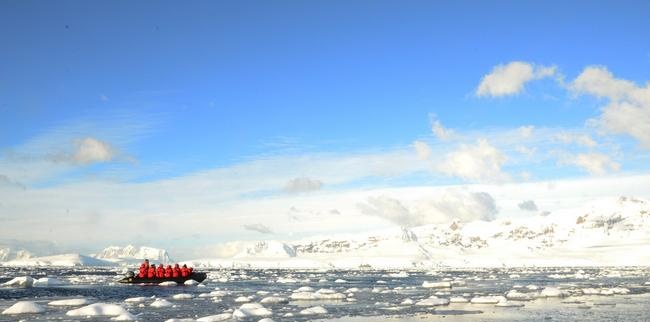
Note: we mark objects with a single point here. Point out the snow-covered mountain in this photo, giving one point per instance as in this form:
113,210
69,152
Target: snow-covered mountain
66,260
613,231
131,254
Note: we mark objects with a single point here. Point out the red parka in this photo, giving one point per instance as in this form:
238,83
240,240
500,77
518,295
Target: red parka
160,271
168,271
151,272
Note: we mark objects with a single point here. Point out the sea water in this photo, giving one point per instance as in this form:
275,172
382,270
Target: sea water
576,294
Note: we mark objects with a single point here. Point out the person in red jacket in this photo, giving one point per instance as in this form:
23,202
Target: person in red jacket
176,271
142,272
190,270
151,272
184,271
160,271
168,271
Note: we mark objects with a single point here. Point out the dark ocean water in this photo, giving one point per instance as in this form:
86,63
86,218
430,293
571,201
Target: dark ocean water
370,295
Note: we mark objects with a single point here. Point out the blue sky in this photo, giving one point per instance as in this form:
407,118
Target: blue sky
129,94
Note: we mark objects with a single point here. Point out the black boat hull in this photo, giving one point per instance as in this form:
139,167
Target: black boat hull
199,277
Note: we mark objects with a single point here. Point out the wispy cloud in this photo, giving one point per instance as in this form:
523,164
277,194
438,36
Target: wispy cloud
510,78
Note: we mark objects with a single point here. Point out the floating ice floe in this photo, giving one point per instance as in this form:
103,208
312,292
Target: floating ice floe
136,299
322,294
487,299
161,303
458,299
266,320
274,300
70,302
103,309
251,309
242,299
24,307
191,283
518,296
314,310
48,281
183,296
168,283
432,301
407,301
23,281
216,318
552,292
426,284
340,281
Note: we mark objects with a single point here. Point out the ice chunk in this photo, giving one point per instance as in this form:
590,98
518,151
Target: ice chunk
436,284
407,302
509,304
48,281
432,301
161,303
70,302
274,300
305,289
340,281
101,309
136,299
518,296
487,299
314,310
242,299
458,299
266,320
23,281
24,307
251,309
216,318
183,296
191,283
552,292
168,283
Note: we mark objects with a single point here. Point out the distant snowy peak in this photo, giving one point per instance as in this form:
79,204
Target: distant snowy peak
269,249
130,252
64,260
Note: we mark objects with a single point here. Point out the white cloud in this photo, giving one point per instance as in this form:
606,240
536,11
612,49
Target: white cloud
628,110
593,163
509,79
444,207
442,133
422,149
90,150
302,184
528,205
526,131
260,228
579,139
481,162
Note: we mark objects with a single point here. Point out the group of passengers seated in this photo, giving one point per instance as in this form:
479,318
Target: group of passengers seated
151,271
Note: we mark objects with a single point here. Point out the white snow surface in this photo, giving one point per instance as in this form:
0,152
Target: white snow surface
24,307
251,309
600,233
22,281
70,302
102,309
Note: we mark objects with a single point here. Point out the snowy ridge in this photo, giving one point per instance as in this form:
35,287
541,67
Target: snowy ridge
602,233
67,260
131,254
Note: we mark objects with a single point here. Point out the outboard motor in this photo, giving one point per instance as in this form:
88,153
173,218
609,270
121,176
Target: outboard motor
129,274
